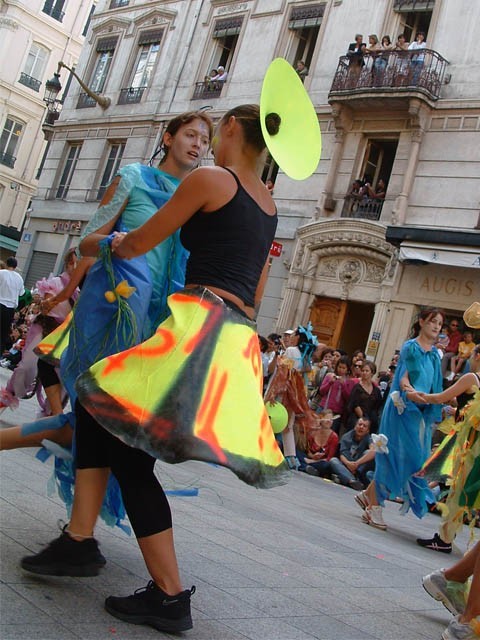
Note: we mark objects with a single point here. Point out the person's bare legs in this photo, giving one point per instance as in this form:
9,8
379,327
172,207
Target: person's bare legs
54,397
460,572
158,551
90,487
371,494
12,437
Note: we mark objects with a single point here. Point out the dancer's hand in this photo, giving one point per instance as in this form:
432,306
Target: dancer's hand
117,241
417,396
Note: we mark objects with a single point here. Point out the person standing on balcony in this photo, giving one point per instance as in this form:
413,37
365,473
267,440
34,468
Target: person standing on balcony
302,70
401,63
417,60
355,57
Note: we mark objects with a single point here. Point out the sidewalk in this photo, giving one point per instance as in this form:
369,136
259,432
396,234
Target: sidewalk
291,563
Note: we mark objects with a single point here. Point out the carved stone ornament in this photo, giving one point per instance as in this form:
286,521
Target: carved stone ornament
9,23
328,268
374,272
350,271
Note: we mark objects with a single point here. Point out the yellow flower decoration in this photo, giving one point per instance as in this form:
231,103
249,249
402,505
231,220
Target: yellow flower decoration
122,289
475,624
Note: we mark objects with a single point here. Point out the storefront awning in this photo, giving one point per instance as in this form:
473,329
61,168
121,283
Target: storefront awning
455,256
8,243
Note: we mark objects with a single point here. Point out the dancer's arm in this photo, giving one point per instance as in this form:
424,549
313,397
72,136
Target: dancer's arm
465,382
200,191
79,272
89,246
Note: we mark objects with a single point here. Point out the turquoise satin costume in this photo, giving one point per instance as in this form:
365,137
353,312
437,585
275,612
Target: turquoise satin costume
408,427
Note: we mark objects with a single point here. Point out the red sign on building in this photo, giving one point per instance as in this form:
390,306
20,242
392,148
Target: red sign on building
276,249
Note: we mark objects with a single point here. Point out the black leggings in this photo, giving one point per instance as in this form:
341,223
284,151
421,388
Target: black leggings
47,374
144,499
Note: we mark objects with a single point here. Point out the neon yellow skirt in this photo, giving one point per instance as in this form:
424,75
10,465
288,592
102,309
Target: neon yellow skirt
193,391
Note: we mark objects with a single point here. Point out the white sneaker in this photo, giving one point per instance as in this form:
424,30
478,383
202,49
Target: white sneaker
457,630
450,594
450,376
374,517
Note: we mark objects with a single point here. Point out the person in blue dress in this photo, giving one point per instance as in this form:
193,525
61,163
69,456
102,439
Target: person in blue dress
407,426
121,303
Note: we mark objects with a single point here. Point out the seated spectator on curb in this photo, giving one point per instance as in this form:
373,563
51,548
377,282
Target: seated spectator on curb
302,70
322,445
465,350
454,338
356,458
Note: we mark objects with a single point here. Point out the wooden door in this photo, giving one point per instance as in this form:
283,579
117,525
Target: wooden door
327,316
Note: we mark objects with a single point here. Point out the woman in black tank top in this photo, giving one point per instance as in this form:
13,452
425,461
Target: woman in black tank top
194,389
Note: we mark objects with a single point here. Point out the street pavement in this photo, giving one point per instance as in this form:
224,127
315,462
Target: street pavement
290,563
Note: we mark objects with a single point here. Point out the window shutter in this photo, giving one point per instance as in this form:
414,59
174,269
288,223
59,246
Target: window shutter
106,44
41,266
404,6
302,17
151,37
227,27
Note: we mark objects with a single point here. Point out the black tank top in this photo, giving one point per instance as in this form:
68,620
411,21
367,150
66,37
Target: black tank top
229,247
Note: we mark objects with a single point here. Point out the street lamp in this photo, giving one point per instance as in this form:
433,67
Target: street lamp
53,88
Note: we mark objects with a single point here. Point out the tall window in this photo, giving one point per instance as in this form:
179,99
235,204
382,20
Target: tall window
225,35
378,161
304,24
68,169
12,131
54,9
415,15
34,67
105,50
111,168
149,44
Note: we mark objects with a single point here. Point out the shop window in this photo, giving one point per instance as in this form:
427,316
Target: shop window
41,263
9,140
304,25
32,73
68,170
415,15
149,49
111,167
54,9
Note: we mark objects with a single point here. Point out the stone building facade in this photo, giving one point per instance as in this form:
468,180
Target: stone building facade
34,36
359,270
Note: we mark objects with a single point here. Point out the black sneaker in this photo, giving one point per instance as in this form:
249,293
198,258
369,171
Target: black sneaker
65,556
153,607
435,543
312,471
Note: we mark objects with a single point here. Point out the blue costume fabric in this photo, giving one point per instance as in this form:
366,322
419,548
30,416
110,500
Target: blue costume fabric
100,328
408,427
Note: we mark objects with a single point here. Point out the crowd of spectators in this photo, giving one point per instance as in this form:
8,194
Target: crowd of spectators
386,62
347,395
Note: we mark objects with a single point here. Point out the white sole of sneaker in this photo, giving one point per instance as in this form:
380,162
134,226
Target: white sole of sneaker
438,595
367,520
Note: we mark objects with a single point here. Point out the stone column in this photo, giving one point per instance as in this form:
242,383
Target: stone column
376,330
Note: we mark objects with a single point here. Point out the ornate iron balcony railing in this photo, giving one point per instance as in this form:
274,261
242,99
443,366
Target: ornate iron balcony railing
30,82
365,208
7,159
393,71
85,101
131,95
207,89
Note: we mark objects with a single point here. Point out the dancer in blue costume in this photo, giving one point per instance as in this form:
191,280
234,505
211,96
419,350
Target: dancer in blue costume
407,426
102,326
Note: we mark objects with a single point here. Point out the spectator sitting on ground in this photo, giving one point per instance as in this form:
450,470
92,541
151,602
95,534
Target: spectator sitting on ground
465,350
13,356
302,70
455,336
322,445
356,457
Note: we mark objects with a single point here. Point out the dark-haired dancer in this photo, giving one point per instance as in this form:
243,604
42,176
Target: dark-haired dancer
228,221
407,426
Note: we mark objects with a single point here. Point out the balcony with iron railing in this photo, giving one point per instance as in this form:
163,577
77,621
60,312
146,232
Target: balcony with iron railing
30,82
85,101
207,89
7,159
389,74
131,95
362,207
